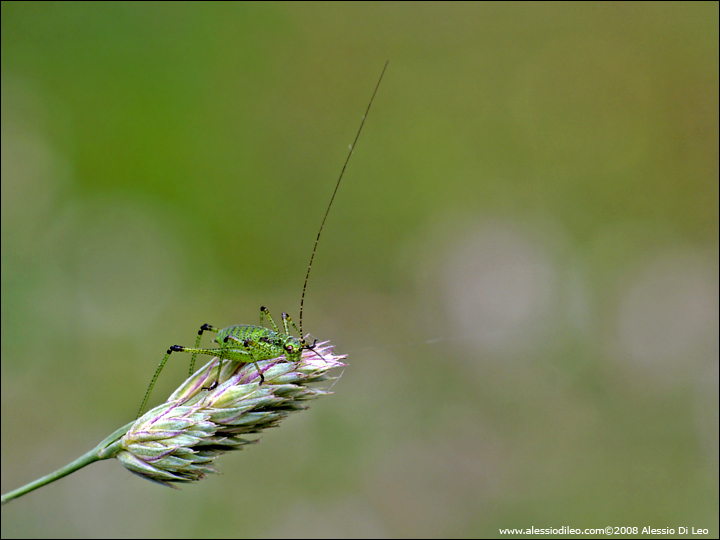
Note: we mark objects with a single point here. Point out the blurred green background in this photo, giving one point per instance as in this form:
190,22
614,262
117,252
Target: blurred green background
522,262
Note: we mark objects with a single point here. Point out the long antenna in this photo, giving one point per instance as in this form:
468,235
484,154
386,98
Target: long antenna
312,256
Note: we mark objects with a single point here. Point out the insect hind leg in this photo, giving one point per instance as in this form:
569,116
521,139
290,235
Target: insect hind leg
172,349
204,328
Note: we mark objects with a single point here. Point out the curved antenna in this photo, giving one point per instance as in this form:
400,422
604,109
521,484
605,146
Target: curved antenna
352,147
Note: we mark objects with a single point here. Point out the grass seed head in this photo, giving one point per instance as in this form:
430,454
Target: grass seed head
179,440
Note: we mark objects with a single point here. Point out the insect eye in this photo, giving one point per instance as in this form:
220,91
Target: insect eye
289,348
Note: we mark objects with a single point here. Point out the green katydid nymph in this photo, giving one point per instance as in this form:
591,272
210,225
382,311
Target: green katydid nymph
244,343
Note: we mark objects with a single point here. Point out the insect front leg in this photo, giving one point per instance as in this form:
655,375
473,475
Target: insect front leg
286,319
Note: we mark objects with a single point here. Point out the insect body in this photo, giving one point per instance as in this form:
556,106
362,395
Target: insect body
248,343
251,344
243,343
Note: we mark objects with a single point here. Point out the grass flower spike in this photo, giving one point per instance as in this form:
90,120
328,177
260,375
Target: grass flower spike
179,440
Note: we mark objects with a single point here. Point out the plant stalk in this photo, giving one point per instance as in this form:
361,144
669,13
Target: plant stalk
107,449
